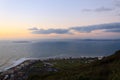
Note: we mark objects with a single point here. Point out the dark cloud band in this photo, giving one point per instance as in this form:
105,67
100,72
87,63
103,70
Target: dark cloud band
97,27
49,31
111,27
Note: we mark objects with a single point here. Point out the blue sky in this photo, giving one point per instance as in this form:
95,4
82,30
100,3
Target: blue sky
55,14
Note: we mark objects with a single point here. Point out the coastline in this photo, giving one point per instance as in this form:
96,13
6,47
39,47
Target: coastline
24,67
19,68
19,62
29,60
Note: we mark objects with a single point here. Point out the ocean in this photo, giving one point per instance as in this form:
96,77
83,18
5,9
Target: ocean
11,51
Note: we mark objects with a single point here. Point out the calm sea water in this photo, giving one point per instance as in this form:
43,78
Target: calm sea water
11,51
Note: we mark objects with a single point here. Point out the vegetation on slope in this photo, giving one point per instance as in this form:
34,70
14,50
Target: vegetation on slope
76,69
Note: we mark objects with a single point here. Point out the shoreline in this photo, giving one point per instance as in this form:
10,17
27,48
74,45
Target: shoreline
19,62
23,60
24,66
19,68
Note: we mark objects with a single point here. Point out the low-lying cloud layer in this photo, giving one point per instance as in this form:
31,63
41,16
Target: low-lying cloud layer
105,27
100,9
49,31
112,27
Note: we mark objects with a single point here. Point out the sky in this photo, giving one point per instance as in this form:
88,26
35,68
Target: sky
59,19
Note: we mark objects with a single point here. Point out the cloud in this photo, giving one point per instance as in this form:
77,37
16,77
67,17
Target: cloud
100,9
113,30
34,28
49,31
86,10
103,9
111,27
117,3
97,27
119,14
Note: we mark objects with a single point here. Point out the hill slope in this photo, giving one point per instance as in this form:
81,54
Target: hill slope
106,69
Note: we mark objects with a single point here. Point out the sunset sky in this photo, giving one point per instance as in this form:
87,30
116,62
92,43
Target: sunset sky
59,19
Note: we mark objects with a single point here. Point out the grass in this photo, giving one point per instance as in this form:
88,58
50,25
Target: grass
82,69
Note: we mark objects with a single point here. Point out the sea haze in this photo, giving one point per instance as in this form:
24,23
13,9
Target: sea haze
14,50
